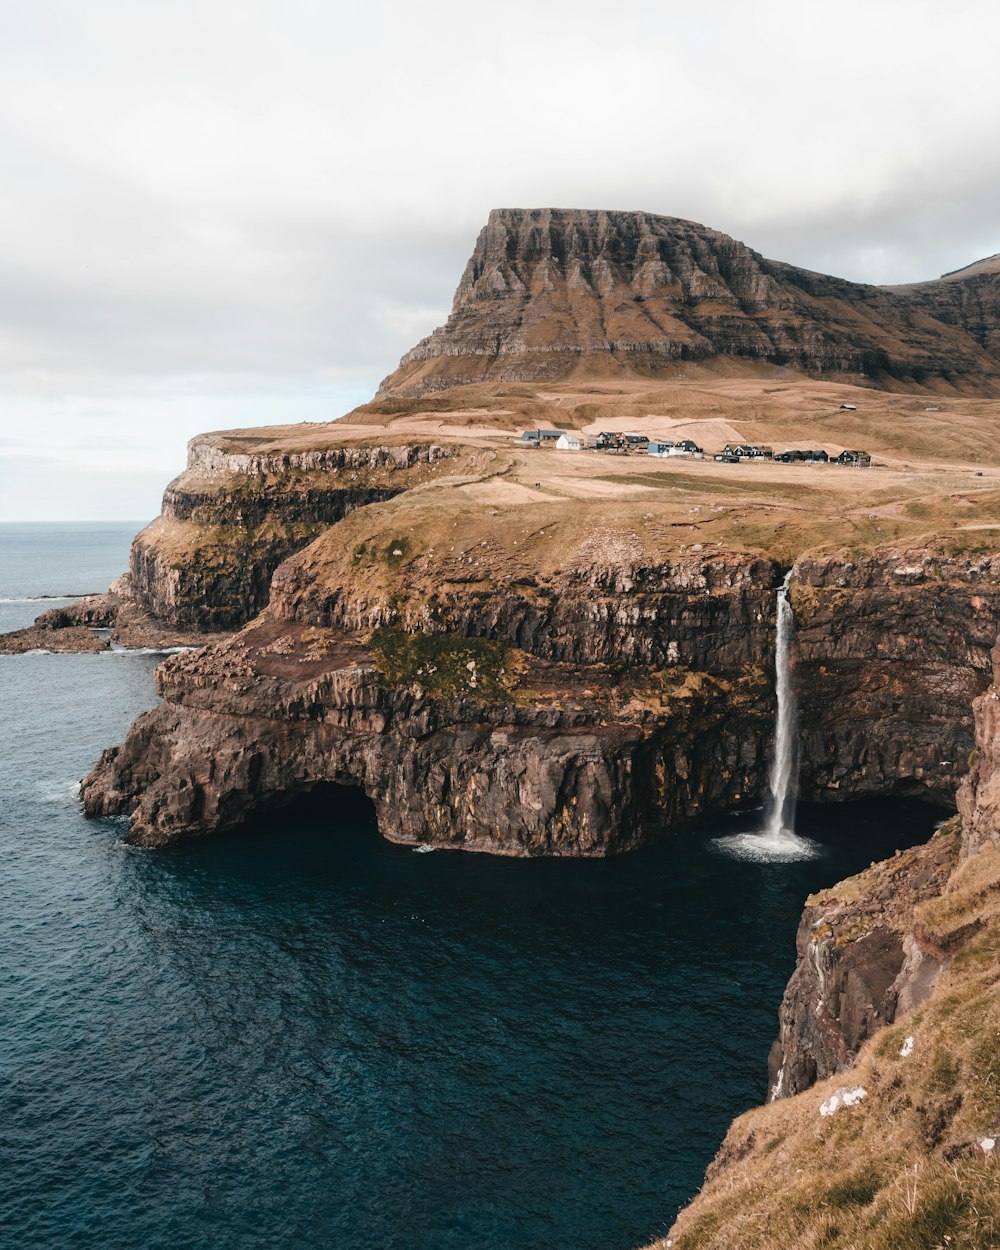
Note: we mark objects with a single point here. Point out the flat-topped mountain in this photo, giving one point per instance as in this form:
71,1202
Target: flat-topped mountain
550,293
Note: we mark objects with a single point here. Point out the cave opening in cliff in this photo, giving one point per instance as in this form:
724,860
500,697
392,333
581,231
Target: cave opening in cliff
322,805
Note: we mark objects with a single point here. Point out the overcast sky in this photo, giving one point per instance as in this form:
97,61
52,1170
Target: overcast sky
233,212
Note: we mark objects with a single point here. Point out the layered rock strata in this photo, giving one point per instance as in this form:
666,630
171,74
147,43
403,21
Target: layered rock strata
863,687
968,299
891,648
278,711
880,711
550,292
643,693
460,741
859,965
231,518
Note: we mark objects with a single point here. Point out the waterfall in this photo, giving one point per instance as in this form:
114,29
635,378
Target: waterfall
781,808
777,842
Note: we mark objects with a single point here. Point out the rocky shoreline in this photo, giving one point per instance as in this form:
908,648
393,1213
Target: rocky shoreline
94,623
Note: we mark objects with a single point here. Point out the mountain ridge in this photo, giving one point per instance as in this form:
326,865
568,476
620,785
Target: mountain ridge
548,293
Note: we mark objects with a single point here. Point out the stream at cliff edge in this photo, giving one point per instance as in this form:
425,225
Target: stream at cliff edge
301,1036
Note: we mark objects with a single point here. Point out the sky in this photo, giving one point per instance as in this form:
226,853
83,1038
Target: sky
219,213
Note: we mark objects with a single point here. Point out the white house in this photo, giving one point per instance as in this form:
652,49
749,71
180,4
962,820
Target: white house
569,442
686,447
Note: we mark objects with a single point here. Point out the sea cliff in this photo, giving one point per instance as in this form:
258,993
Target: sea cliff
531,652
561,692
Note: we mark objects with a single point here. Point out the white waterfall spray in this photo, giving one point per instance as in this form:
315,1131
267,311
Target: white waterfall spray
781,809
778,841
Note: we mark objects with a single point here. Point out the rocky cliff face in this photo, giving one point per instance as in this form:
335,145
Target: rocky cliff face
859,965
892,648
979,794
460,740
548,292
884,708
592,708
231,518
968,299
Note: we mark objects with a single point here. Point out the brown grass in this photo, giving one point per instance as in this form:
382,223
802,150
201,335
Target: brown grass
924,489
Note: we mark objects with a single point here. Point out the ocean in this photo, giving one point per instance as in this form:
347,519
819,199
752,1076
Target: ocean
299,1035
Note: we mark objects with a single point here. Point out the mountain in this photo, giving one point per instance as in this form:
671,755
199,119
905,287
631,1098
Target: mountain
549,293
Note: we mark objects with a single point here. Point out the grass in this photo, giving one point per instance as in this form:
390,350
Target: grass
857,1190
450,516
932,455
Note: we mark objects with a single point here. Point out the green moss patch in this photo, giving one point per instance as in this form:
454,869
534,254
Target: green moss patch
392,554
446,664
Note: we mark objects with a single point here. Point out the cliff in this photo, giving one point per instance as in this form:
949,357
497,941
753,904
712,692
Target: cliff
550,293
460,740
968,299
629,603
234,515
894,1012
599,691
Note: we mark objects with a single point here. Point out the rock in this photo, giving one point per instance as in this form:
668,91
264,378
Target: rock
72,628
845,1096
231,518
48,637
549,292
888,711
858,965
281,708
878,712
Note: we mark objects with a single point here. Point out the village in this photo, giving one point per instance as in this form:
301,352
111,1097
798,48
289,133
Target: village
627,443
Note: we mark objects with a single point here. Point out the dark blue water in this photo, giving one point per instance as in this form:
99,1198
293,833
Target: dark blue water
300,1036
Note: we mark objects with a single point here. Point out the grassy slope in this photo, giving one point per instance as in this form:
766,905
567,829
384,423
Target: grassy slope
925,488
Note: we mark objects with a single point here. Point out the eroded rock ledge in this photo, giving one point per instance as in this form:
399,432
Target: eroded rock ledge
279,709
94,623
594,707
233,516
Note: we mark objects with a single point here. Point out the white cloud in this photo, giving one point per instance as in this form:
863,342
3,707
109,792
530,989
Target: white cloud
220,212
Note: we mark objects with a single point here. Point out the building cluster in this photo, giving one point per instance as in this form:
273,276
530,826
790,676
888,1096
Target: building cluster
854,458
733,453
611,441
